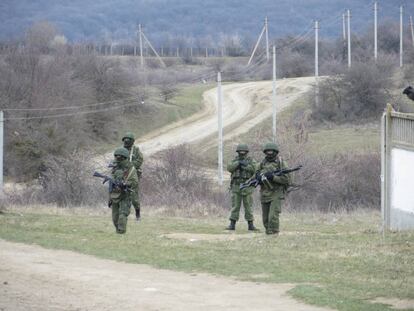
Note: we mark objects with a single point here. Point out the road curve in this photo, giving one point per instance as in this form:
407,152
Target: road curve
244,106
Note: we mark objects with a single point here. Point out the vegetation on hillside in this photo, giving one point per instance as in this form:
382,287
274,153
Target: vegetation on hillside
72,103
207,23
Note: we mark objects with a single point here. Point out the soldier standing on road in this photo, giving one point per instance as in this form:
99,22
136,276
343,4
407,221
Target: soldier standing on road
125,176
136,158
241,169
273,189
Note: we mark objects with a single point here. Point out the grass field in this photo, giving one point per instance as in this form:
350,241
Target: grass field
337,260
348,138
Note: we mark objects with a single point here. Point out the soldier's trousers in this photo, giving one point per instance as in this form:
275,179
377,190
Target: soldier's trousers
270,214
135,198
236,201
120,212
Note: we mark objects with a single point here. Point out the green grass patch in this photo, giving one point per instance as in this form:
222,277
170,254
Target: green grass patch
348,138
338,260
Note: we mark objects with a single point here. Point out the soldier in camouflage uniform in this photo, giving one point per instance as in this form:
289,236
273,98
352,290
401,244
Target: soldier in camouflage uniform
241,169
136,158
273,189
125,175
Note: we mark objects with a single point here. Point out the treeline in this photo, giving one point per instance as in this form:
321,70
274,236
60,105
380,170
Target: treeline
117,20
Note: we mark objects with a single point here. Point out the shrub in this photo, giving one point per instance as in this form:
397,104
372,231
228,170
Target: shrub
177,181
360,93
326,182
67,181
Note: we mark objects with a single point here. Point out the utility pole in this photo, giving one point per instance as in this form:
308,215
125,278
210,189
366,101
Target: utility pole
343,36
412,30
152,48
349,38
206,52
343,28
1,150
401,36
267,39
316,63
257,44
375,31
274,96
220,129
140,45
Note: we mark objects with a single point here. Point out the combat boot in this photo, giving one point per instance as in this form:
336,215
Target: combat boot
251,226
232,225
138,214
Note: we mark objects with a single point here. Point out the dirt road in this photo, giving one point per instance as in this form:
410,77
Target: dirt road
34,278
244,106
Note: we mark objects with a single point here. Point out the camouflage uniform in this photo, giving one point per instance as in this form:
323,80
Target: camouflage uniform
241,169
120,201
136,158
272,191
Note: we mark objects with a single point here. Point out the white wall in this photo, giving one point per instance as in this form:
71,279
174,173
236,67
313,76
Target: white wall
402,189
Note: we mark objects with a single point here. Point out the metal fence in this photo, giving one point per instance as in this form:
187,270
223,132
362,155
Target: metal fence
397,170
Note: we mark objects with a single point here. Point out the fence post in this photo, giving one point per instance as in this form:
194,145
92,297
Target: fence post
387,164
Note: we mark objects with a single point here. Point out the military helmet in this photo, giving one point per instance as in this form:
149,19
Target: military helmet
270,146
122,152
128,135
242,147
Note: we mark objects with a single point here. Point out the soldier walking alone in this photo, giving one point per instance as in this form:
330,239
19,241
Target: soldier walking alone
241,169
136,158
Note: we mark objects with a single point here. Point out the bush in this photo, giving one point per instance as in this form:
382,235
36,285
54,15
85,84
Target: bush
360,93
342,181
178,182
67,181
326,182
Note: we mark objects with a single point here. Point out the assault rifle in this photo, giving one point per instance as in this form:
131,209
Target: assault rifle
260,178
112,183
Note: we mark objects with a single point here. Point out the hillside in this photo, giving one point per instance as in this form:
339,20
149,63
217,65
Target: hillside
117,20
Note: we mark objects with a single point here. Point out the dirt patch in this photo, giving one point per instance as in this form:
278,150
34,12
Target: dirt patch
34,278
395,303
232,236
195,237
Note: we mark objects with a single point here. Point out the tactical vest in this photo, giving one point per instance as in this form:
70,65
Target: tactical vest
241,174
121,175
276,161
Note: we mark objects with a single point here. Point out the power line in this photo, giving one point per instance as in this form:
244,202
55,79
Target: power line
72,113
67,107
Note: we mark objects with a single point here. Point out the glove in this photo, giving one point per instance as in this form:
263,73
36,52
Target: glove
121,186
243,162
269,176
109,203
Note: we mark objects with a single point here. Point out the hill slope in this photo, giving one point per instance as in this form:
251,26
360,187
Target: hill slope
90,19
